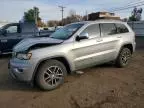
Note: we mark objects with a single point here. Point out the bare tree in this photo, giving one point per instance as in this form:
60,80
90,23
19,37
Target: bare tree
73,17
72,12
53,23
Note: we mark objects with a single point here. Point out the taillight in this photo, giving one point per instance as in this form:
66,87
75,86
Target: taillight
134,36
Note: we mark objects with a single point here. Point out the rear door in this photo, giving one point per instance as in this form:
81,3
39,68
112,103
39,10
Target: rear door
110,41
10,38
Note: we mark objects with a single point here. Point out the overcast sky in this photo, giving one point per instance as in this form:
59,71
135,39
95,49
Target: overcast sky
12,10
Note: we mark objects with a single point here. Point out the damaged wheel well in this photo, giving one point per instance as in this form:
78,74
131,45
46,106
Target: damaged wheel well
61,59
65,62
129,46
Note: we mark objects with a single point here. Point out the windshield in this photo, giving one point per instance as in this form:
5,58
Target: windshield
66,32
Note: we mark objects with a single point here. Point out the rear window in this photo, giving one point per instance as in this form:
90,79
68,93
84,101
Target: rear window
121,28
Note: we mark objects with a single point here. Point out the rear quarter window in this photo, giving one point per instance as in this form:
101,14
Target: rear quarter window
121,28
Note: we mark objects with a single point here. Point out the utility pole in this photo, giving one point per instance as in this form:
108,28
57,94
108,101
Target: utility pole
35,18
35,14
62,10
87,17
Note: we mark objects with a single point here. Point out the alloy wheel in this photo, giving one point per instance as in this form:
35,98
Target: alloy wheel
125,56
53,75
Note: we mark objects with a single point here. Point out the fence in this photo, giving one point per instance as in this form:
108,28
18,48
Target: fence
138,27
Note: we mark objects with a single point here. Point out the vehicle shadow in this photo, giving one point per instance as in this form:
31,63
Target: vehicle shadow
105,65
6,56
9,84
13,85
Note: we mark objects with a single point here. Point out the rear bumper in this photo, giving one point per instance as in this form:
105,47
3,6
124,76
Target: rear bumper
134,46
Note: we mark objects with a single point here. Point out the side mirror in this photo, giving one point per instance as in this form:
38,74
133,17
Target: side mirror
82,36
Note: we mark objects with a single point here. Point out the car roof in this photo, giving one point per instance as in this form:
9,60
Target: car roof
100,21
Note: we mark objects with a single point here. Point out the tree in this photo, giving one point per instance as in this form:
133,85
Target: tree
136,14
72,12
53,23
132,18
41,24
73,17
31,15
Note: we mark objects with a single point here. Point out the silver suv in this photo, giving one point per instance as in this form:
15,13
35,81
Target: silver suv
46,61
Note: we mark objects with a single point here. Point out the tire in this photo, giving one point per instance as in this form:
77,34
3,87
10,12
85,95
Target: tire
123,57
50,75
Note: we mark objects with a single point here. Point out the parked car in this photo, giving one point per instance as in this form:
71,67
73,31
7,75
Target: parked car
47,61
11,34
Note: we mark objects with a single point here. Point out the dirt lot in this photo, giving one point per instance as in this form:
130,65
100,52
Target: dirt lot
102,86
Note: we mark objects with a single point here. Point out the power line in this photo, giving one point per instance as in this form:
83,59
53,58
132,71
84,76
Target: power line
62,10
128,7
134,2
131,5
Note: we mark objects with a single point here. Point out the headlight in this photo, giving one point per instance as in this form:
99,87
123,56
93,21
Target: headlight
24,56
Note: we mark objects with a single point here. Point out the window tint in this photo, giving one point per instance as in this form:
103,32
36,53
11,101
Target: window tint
12,29
121,28
92,30
108,29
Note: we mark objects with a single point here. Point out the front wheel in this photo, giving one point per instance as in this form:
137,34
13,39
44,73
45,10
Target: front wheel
51,75
124,57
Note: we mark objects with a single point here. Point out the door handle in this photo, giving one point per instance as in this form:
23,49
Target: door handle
119,37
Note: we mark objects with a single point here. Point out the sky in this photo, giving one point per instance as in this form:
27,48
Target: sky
13,10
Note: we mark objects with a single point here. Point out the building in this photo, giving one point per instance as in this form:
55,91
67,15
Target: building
102,15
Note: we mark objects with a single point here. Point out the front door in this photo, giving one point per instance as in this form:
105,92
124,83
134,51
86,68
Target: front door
86,52
10,38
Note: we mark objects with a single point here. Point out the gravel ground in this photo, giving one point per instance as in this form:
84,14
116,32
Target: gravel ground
103,86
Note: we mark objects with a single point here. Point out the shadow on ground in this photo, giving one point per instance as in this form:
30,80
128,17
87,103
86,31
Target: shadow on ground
9,84
6,56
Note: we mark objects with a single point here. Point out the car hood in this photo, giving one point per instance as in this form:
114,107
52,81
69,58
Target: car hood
26,44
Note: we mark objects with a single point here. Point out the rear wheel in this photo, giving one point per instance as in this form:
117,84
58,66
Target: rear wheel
124,57
51,75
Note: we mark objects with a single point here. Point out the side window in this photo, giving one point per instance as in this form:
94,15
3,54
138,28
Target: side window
12,29
108,29
121,28
92,30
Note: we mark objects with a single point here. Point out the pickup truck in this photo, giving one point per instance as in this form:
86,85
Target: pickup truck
13,33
